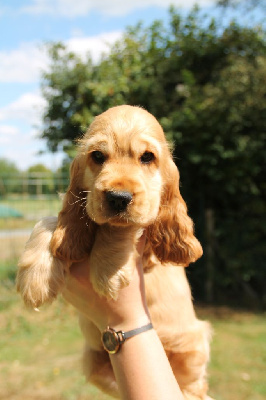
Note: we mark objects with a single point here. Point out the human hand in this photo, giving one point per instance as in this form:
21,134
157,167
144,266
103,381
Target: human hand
127,312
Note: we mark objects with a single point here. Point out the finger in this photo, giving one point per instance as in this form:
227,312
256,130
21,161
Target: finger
141,243
80,272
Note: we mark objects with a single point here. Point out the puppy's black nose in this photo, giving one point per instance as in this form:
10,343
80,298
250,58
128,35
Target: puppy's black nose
118,201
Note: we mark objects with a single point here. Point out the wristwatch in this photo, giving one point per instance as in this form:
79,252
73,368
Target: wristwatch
112,340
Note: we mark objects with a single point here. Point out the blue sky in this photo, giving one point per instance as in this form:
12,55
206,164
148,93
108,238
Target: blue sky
84,25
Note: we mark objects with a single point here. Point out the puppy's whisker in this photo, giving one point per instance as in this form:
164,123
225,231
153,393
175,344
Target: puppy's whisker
75,202
78,197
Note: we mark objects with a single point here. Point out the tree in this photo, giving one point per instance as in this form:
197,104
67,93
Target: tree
9,177
221,127
7,167
40,179
67,88
205,84
247,4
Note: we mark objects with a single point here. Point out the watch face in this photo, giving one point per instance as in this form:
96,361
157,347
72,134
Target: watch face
110,341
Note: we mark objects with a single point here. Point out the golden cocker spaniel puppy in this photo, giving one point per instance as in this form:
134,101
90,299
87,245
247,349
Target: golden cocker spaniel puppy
123,180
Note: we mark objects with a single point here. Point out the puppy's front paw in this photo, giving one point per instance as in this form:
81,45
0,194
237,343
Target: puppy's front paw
40,283
113,259
109,286
40,275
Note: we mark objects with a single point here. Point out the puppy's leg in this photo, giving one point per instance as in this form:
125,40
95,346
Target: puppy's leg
113,258
40,276
189,361
96,362
98,371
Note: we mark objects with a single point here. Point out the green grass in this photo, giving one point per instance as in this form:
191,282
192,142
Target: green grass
40,352
8,271
238,359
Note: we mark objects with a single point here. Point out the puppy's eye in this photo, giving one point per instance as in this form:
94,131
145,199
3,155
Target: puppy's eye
98,157
147,157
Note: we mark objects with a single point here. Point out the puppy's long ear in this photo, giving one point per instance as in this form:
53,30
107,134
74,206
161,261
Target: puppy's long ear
172,236
75,231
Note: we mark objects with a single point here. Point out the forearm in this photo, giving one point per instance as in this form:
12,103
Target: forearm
141,366
143,371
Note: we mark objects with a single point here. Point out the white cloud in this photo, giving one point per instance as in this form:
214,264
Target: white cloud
12,138
27,108
70,8
16,145
22,147
24,64
8,133
96,45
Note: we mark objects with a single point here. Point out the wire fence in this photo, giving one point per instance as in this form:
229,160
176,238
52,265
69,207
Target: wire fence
25,198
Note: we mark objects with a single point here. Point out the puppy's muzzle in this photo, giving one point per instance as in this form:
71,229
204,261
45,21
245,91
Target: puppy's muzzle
118,201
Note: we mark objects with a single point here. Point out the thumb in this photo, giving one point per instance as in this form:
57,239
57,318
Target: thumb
141,244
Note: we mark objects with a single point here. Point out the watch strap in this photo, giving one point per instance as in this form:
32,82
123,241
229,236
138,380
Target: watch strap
136,331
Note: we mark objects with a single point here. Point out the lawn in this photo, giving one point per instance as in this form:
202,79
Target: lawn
40,352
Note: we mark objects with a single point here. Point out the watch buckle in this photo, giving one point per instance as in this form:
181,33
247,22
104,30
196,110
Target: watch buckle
121,336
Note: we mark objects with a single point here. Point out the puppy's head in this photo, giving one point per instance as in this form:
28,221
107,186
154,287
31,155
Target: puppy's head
121,152
122,175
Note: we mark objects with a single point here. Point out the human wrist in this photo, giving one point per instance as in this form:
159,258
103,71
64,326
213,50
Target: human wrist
123,318
129,323
124,314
